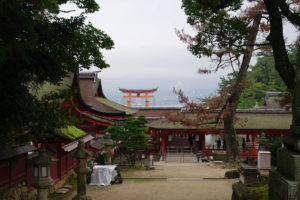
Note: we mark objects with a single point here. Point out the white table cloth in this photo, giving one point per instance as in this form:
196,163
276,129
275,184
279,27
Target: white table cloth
103,174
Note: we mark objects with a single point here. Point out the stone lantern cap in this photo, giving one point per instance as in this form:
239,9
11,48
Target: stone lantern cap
81,152
263,139
107,139
42,157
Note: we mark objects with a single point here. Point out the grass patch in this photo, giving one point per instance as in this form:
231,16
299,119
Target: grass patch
262,191
127,171
132,168
72,180
53,198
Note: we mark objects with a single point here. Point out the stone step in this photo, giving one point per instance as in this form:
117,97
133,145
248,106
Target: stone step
68,186
181,159
62,191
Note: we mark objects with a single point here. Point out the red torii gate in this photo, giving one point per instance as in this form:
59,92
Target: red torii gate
138,93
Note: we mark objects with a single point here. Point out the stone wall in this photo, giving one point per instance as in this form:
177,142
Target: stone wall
18,192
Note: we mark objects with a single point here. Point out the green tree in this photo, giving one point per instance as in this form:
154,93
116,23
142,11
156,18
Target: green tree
227,38
261,78
130,137
37,44
234,34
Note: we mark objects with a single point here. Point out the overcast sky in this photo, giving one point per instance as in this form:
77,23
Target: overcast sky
147,52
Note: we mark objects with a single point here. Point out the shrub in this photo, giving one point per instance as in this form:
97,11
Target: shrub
272,145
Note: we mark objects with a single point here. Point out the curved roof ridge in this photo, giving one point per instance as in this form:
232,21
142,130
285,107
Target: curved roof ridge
138,90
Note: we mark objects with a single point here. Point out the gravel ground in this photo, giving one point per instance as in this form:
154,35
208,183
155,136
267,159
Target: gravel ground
212,189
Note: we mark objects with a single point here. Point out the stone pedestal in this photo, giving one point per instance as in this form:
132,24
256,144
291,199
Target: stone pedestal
108,154
282,188
284,183
248,174
81,170
289,164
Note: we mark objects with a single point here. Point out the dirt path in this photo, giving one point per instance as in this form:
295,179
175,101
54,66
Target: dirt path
218,189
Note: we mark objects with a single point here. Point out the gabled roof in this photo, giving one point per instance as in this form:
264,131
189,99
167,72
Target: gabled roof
117,106
92,99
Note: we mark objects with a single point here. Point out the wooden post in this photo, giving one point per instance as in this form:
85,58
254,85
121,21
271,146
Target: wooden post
146,100
129,100
203,142
163,143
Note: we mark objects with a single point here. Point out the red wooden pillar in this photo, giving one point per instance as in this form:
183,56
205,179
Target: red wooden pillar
146,100
129,99
163,145
253,150
252,138
203,141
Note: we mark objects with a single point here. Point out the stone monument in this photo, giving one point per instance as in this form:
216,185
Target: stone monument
284,183
108,149
262,142
248,174
81,154
41,173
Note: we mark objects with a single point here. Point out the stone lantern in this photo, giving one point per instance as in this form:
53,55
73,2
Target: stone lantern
262,142
108,148
81,170
41,173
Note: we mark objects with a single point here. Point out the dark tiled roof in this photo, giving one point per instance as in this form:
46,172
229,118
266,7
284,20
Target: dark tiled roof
89,89
9,152
88,75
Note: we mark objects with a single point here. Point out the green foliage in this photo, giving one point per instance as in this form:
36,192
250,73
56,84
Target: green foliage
272,145
100,158
71,180
261,191
130,137
38,45
216,28
261,78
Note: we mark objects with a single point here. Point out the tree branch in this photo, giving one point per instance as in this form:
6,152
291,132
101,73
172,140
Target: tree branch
221,5
294,18
66,11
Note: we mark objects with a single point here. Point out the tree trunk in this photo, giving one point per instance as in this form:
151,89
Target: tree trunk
229,116
282,63
296,99
289,75
296,92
